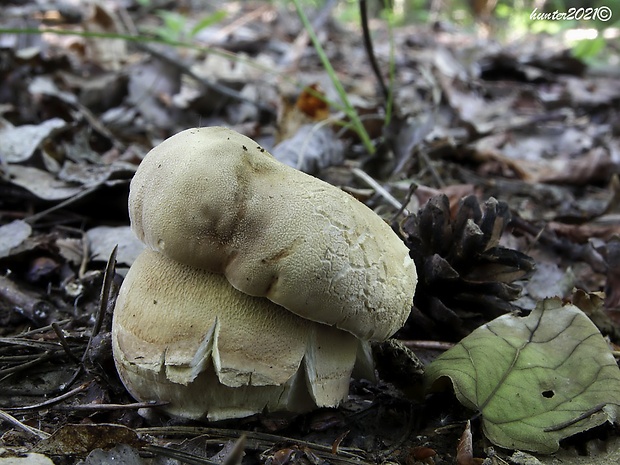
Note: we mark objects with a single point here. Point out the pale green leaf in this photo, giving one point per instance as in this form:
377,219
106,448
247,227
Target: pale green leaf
207,21
535,379
589,48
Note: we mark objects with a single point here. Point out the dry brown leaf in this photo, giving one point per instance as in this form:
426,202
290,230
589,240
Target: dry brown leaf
582,233
110,53
80,439
465,448
306,109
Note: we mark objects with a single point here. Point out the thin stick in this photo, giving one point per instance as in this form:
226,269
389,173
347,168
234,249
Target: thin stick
253,15
401,211
108,278
583,416
53,401
80,195
432,345
203,81
16,369
353,455
29,429
429,164
105,407
370,52
104,298
40,330
185,68
85,256
380,189
180,455
566,248
64,343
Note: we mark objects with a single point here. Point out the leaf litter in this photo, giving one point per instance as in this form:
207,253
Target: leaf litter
524,123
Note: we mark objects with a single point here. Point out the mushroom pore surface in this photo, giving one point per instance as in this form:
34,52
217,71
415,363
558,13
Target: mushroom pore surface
214,199
186,336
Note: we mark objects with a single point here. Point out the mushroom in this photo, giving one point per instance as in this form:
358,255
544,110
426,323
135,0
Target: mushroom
214,199
185,336
262,285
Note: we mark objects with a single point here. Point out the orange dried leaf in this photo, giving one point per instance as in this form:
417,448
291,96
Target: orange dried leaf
310,103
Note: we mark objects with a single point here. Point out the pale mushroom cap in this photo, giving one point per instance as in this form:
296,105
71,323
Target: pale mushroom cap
214,199
178,329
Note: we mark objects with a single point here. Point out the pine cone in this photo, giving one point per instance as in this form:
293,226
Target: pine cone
465,278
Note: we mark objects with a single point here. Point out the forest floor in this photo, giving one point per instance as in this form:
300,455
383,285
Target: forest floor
523,122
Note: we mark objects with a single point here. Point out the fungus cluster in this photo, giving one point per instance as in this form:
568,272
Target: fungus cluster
260,287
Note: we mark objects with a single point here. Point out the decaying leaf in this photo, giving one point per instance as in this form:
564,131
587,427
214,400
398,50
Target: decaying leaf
103,19
74,179
102,240
311,149
465,448
307,108
81,439
593,304
535,379
19,143
12,235
42,184
121,454
150,87
27,459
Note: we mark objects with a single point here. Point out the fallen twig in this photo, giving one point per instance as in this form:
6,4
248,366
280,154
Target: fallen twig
29,429
345,455
105,407
64,343
53,401
379,189
431,345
